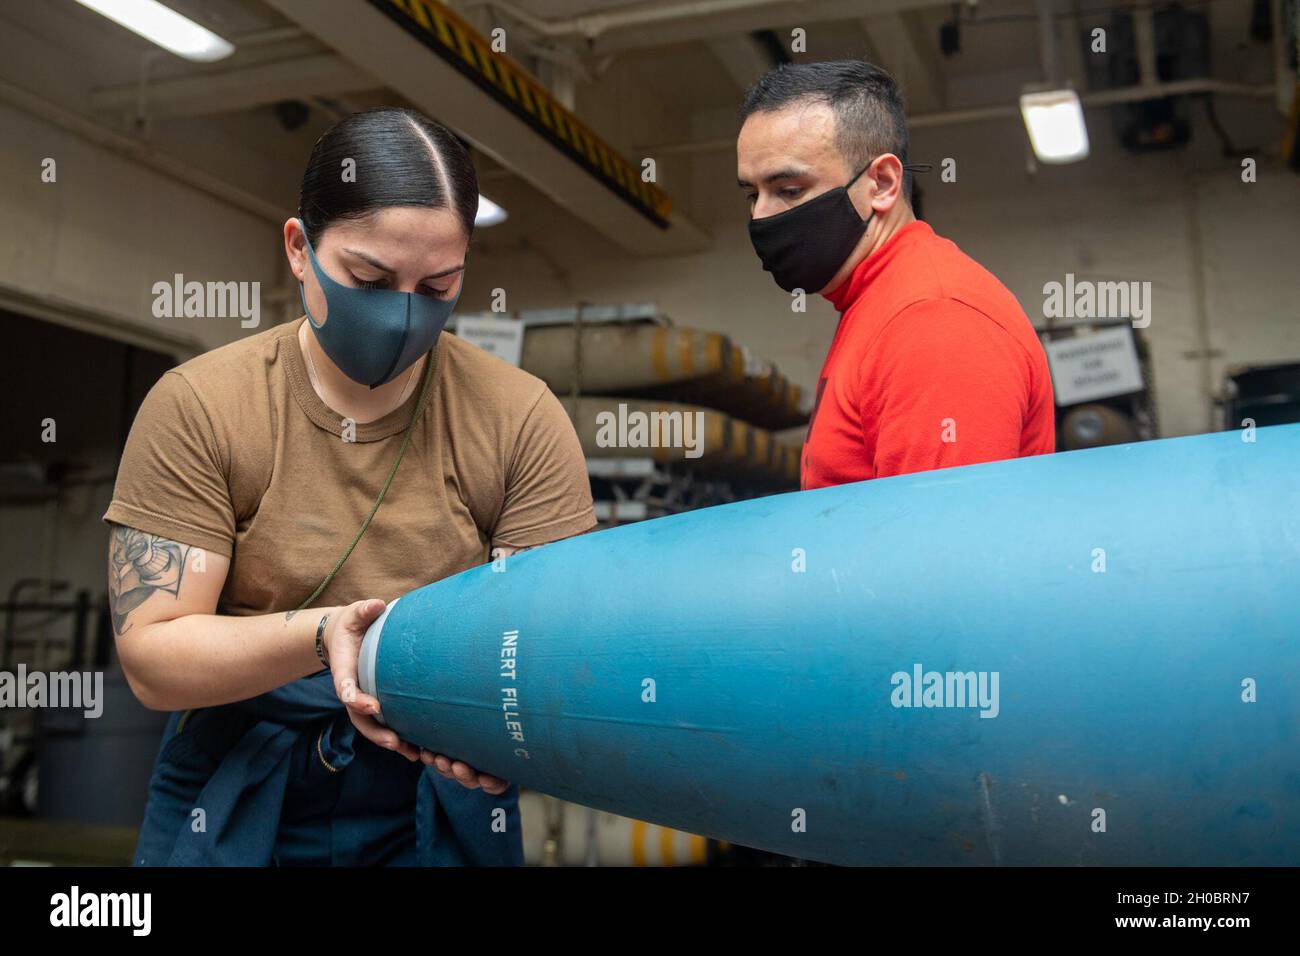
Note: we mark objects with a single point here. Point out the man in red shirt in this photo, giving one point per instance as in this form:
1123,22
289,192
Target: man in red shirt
934,364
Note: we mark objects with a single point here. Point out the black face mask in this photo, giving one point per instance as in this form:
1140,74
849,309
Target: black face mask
805,246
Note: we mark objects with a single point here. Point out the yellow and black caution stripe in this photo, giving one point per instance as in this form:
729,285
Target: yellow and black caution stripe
461,45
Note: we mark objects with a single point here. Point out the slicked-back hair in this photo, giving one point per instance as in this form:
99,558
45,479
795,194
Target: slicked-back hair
868,107
401,158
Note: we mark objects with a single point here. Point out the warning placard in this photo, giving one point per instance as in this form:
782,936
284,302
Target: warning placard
504,338
1089,367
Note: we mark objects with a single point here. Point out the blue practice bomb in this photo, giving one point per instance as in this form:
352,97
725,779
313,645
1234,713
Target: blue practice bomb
1083,658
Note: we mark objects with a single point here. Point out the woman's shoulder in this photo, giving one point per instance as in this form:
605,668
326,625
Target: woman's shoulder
495,409
231,386
470,370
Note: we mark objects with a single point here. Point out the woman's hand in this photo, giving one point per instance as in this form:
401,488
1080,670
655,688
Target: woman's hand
343,635
463,773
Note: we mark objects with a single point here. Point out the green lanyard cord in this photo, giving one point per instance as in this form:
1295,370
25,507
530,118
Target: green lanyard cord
406,440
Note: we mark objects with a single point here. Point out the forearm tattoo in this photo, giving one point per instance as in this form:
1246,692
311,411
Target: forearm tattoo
140,566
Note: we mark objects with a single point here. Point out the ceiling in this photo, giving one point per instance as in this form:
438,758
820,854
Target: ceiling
655,81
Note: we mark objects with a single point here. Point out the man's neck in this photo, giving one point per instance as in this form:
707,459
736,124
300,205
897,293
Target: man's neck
900,216
879,232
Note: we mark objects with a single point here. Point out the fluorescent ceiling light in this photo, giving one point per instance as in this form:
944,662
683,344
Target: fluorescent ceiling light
489,213
1054,119
165,27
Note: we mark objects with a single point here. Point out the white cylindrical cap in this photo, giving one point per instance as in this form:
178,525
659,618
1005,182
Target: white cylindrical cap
369,654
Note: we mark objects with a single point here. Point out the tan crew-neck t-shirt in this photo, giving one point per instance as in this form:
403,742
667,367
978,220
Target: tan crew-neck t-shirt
235,452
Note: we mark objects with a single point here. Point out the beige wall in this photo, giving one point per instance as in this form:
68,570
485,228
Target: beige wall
100,236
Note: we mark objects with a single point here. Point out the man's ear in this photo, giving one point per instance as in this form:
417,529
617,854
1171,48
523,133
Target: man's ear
886,176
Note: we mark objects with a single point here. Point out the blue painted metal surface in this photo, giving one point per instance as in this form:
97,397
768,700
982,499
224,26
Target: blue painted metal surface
685,672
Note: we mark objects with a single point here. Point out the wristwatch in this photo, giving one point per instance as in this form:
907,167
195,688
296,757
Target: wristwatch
320,640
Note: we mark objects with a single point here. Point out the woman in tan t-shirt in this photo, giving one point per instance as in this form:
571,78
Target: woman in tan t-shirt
247,475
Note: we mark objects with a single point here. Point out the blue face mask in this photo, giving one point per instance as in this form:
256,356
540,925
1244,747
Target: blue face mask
373,335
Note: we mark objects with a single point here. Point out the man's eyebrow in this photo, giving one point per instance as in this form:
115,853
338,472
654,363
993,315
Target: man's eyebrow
383,268
787,173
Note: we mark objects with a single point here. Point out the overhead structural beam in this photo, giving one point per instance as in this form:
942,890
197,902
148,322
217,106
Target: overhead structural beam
61,310
903,49
301,78
743,57
141,152
444,67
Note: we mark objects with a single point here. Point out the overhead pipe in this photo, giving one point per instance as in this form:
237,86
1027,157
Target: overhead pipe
1144,29
1049,45
592,25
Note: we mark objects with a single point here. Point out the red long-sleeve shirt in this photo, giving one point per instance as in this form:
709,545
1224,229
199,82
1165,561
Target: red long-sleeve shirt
934,364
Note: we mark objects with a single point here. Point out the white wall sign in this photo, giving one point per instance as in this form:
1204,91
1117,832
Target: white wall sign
1099,365
503,338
